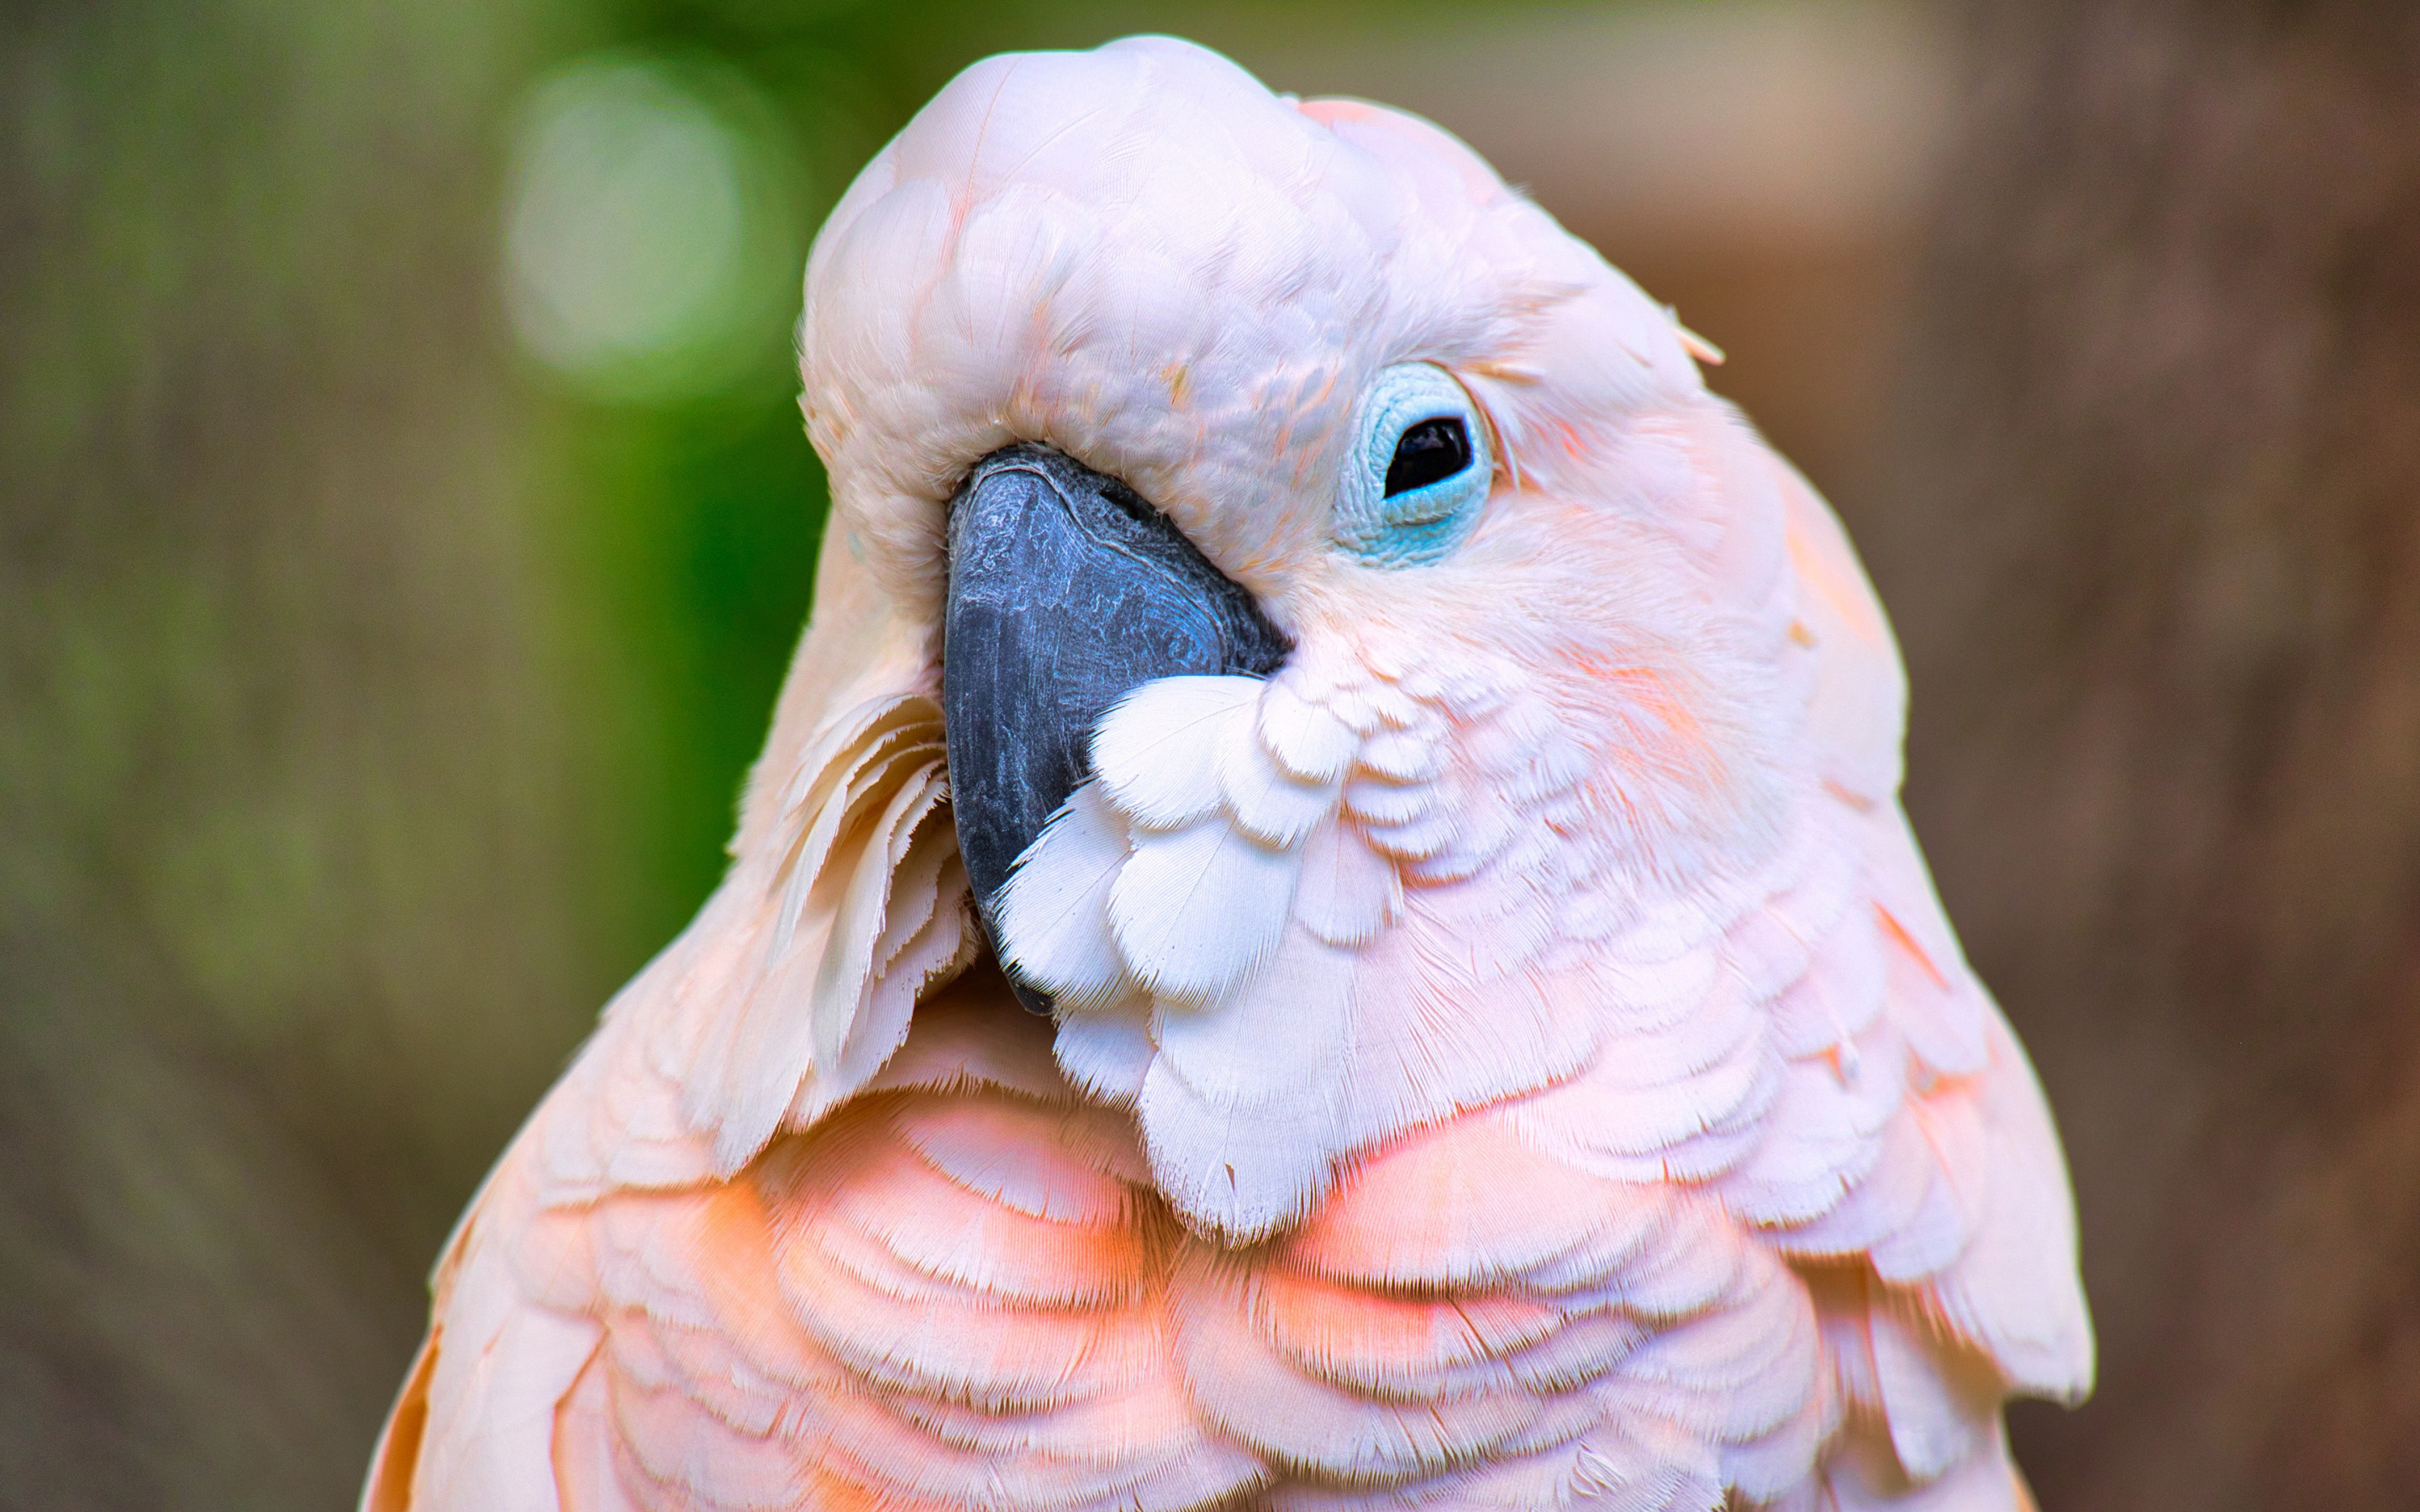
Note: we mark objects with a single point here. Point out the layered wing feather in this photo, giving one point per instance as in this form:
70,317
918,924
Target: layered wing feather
950,1293
962,1291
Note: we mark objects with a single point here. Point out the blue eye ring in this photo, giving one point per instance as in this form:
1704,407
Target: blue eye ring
1414,422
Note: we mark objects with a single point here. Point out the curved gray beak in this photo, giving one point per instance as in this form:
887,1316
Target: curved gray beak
1066,592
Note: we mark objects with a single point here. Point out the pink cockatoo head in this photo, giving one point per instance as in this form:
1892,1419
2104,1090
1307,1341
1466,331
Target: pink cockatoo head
1585,658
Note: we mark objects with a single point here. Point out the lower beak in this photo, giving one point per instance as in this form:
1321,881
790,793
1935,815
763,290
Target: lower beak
1066,592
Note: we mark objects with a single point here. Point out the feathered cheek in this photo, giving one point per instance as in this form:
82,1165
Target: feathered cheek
1681,761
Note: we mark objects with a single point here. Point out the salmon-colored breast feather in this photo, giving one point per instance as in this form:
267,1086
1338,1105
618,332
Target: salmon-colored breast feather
1510,1057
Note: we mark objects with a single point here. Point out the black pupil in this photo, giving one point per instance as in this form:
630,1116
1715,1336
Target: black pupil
1431,450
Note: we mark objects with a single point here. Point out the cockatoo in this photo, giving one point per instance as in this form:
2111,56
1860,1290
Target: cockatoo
1325,923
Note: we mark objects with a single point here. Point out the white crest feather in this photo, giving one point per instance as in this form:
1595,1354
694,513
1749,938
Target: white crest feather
1197,912
1053,913
1156,752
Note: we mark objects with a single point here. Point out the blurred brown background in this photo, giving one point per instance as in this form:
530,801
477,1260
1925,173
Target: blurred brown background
401,535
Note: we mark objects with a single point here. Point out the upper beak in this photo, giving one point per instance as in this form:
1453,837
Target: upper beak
1066,592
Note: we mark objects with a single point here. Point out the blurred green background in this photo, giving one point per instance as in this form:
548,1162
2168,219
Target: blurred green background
405,521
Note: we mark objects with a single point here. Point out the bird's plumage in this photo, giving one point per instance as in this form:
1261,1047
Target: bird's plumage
1509,1057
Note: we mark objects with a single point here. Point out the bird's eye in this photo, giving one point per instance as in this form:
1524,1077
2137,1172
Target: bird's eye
1434,449
1419,469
